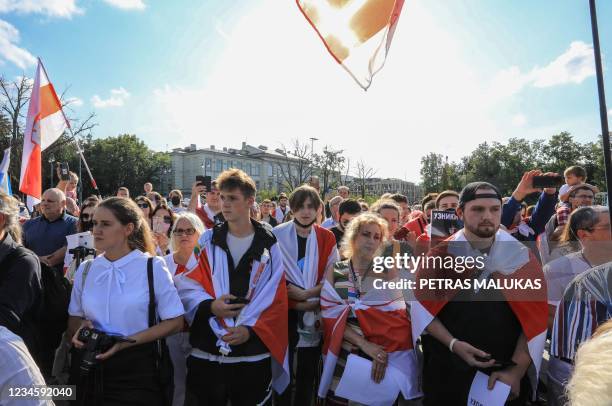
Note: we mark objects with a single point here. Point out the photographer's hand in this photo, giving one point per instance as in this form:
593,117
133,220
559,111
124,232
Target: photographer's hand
75,341
112,351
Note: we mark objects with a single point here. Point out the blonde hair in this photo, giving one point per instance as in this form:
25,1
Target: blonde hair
353,228
195,222
9,207
591,383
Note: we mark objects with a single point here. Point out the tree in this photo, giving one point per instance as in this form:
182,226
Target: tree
329,164
432,168
124,160
561,152
364,173
296,168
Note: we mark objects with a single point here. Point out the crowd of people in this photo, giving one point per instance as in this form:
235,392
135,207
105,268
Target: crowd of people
224,299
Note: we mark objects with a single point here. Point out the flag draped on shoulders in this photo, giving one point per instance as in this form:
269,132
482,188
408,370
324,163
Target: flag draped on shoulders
384,323
508,261
321,253
266,313
45,123
357,33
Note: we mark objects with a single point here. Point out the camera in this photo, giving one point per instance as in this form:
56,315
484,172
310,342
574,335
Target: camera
96,342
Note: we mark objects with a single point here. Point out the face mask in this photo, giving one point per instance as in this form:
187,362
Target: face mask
176,201
86,225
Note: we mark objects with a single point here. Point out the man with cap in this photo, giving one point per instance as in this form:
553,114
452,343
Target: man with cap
488,314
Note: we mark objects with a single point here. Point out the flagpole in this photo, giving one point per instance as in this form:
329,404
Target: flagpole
603,113
76,140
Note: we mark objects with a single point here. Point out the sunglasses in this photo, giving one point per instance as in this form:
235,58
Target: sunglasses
186,231
86,216
167,219
143,205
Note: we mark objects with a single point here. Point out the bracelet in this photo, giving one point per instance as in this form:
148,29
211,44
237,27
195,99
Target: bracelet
451,344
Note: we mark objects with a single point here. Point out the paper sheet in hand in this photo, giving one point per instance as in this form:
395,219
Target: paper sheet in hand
356,383
480,395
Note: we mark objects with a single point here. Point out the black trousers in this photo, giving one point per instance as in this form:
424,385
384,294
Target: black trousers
127,378
212,383
307,362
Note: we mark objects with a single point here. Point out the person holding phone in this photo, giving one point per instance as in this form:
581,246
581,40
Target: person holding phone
498,330
210,213
529,229
68,180
110,294
236,304
162,220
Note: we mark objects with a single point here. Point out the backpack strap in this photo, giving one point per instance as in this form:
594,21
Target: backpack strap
151,292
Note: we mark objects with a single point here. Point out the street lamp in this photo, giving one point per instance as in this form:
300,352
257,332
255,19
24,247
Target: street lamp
312,140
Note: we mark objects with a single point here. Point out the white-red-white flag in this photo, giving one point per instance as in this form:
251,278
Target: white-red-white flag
357,33
45,123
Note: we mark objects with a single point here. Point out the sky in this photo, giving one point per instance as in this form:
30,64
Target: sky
214,72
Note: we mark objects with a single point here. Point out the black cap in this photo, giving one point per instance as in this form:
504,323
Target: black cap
470,192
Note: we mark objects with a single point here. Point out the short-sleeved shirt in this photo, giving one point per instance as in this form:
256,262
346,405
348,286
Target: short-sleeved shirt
44,237
115,296
560,272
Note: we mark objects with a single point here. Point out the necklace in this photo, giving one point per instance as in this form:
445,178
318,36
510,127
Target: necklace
356,279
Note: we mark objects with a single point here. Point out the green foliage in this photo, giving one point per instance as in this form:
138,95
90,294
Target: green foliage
504,164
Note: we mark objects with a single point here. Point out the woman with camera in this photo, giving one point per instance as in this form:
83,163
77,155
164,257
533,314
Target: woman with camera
128,297
186,232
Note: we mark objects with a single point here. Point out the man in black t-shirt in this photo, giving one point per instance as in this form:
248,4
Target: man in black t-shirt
348,210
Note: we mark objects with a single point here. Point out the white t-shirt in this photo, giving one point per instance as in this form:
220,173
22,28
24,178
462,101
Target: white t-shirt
564,189
115,297
560,272
238,246
18,370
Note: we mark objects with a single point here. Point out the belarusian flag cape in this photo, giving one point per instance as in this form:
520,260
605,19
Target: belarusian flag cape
321,253
508,259
266,312
384,323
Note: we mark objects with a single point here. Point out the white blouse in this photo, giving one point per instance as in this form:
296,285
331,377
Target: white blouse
115,297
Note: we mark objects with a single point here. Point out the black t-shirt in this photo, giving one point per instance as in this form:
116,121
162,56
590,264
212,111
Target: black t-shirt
338,234
483,319
301,247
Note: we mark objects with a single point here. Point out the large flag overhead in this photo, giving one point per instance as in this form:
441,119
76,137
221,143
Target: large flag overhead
357,33
5,180
45,123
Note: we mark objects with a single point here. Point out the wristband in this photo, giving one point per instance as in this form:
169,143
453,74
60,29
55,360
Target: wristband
451,344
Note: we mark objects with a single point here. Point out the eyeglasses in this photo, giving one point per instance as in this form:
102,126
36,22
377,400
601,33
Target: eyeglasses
187,231
143,205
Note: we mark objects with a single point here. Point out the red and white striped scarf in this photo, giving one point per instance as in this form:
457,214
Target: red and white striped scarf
384,323
266,312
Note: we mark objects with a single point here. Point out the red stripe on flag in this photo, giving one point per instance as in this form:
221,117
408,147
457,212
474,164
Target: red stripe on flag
389,329
32,180
272,325
203,274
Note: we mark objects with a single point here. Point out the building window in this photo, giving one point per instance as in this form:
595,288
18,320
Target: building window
270,170
256,170
248,168
219,165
